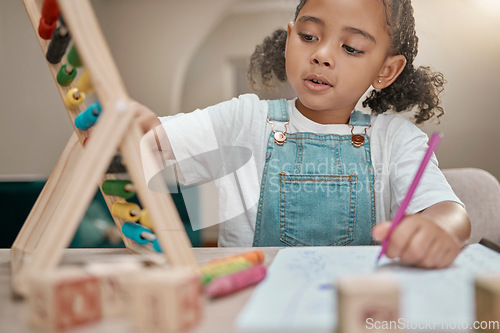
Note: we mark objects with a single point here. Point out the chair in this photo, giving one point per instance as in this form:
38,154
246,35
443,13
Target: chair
480,192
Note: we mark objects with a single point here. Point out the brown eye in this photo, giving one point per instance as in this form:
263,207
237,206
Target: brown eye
308,38
351,51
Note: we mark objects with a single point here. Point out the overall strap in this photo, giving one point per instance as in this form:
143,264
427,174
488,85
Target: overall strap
359,118
278,111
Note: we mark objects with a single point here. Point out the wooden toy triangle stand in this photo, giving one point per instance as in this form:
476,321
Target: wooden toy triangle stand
57,213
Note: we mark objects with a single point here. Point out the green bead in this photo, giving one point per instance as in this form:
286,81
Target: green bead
73,57
65,79
116,187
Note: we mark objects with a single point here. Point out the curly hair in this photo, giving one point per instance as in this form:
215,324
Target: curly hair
414,88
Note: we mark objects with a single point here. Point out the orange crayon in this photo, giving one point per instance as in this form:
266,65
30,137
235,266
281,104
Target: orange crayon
255,257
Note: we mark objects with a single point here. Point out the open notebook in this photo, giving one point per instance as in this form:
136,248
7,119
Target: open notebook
299,290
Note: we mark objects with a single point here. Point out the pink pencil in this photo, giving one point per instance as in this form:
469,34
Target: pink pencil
433,143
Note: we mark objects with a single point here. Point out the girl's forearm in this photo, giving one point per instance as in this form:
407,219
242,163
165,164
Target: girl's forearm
452,217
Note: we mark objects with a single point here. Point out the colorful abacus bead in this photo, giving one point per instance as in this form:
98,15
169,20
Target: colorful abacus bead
84,83
66,75
50,11
58,45
46,29
138,233
73,57
145,220
157,246
89,117
48,20
74,98
116,165
126,210
119,188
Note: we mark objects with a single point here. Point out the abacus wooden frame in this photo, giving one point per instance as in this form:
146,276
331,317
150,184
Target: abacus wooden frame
55,217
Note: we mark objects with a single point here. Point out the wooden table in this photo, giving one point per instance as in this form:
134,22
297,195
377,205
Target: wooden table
218,317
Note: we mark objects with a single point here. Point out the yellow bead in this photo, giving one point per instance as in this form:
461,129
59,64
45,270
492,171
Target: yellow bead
74,98
144,220
84,84
126,210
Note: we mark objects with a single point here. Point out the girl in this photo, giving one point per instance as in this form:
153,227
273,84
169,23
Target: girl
322,173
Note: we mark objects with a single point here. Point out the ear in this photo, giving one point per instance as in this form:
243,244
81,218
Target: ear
288,32
392,68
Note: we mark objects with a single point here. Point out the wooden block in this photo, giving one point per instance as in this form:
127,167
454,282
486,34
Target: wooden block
167,299
115,292
64,298
367,304
488,302
74,295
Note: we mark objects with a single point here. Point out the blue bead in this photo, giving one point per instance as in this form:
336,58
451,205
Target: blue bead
157,246
134,230
88,118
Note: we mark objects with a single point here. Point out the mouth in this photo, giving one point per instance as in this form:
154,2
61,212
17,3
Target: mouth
317,83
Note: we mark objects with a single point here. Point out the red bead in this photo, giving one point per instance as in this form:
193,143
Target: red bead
50,11
45,30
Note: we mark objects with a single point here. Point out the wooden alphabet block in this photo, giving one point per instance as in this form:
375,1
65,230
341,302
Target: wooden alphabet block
367,304
114,285
73,295
167,299
64,298
488,302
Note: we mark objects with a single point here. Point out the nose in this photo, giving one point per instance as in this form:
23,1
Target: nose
318,62
323,57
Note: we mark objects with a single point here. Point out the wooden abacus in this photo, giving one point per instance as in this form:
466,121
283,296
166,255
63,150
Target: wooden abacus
55,217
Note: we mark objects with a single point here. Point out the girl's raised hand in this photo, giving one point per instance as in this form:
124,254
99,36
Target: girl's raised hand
147,119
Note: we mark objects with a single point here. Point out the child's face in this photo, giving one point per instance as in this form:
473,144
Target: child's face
344,44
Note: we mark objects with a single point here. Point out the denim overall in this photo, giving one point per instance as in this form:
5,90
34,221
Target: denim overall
317,189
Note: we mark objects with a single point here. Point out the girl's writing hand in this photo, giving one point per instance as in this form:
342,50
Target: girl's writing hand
419,241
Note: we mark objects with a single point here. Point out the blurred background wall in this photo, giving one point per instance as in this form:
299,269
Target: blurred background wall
179,55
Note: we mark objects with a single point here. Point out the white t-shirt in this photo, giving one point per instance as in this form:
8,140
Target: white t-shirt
239,129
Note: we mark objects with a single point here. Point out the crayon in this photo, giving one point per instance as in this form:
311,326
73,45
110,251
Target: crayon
255,257
400,213
212,270
231,283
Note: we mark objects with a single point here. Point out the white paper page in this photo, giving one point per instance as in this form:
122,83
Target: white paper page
299,292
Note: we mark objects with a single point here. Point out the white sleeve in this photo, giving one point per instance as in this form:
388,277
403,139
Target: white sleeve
200,137
407,145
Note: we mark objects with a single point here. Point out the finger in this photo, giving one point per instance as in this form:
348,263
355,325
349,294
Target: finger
136,106
446,259
400,238
434,256
380,231
449,256
418,247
